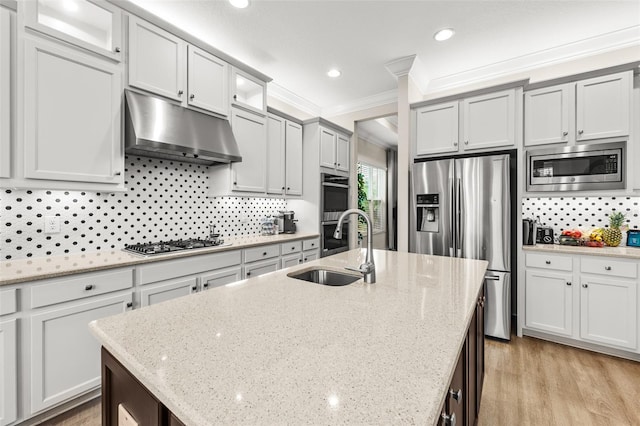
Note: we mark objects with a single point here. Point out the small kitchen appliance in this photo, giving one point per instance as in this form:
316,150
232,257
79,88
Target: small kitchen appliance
286,222
544,235
633,238
529,232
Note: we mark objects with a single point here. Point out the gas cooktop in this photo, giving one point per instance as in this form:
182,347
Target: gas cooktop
163,247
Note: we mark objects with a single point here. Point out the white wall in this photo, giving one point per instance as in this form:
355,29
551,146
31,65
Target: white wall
371,154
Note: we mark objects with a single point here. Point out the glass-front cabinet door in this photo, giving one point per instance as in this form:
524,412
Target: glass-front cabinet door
91,24
248,91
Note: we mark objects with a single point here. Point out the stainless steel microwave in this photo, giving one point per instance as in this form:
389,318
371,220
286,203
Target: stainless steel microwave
577,168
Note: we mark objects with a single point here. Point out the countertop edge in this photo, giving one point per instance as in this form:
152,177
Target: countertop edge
131,259
621,251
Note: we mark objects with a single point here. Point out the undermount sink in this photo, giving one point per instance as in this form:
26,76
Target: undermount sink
325,277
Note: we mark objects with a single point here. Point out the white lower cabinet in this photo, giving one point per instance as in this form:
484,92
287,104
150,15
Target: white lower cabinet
221,277
588,299
255,269
8,371
549,302
608,311
65,357
309,255
167,290
290,260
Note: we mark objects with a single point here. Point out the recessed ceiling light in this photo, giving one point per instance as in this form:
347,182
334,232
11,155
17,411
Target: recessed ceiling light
334,73
240,4
71,5
444,34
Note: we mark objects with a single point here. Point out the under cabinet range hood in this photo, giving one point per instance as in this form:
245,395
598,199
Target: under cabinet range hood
160,129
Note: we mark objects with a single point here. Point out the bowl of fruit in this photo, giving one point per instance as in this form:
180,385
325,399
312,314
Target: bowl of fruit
570,237
594,238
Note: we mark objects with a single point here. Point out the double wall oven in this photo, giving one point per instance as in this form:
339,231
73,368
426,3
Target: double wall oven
334,201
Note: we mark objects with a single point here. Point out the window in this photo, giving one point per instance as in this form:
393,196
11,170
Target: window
372,195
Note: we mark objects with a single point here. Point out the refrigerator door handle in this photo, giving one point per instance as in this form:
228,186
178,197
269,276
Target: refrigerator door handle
452,222
459,218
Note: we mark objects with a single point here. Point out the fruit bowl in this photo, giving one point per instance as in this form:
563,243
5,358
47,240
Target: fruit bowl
594,243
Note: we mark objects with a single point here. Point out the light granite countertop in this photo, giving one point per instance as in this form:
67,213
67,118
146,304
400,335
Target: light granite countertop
621,251
277,350
23,270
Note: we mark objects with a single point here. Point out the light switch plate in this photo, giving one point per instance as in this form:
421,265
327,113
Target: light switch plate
124,417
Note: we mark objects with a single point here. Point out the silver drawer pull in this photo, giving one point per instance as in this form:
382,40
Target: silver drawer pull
457,395
492,278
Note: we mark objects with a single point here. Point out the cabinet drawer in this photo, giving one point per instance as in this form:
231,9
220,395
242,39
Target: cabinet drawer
610,267
313,243
86,285
153,294
291,247
8,301
259,268
264,252
549,261
221,277
168,269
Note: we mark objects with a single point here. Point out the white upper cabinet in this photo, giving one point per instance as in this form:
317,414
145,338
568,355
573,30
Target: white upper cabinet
156,60
72,104
334,150
250,131
546,115
91,24
208,87
603,106
276,155
342,153
482,122
5,93
327,148
437,128
284,156
248,91
8,372
489,120
293,158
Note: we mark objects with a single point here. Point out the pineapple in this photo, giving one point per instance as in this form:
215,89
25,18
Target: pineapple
612,235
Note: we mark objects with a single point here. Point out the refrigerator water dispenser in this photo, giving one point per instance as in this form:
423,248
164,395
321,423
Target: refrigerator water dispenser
428,212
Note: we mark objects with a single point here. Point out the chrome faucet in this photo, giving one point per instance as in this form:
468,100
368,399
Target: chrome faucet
368,268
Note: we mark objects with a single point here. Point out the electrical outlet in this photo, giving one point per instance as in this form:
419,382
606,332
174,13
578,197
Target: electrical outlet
52,224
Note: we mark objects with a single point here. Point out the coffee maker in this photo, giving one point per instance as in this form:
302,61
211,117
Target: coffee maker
286,222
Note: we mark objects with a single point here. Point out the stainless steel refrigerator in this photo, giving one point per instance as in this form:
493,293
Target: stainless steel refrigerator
461,207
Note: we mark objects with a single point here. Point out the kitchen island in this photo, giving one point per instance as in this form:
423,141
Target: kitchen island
275,349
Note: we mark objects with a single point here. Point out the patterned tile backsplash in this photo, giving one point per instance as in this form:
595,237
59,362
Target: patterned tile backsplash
581,212
165,200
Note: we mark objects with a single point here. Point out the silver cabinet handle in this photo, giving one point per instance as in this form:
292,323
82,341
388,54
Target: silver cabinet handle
607,268
457,395
569,283
491,278
449,420
585,285
466,142
580,132
565,133
455,144
117,50
180,92
192,97
88,287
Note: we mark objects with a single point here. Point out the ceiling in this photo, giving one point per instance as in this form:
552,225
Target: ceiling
381,131
297,42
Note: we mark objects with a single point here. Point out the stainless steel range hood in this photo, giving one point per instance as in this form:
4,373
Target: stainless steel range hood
157,128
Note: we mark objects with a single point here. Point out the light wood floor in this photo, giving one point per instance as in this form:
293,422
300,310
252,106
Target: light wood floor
528,382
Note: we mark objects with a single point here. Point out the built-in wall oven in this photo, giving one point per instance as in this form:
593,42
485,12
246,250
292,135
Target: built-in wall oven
334,201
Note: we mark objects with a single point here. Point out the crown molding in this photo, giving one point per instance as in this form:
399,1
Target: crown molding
384,98
287,96
615,40
400,67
